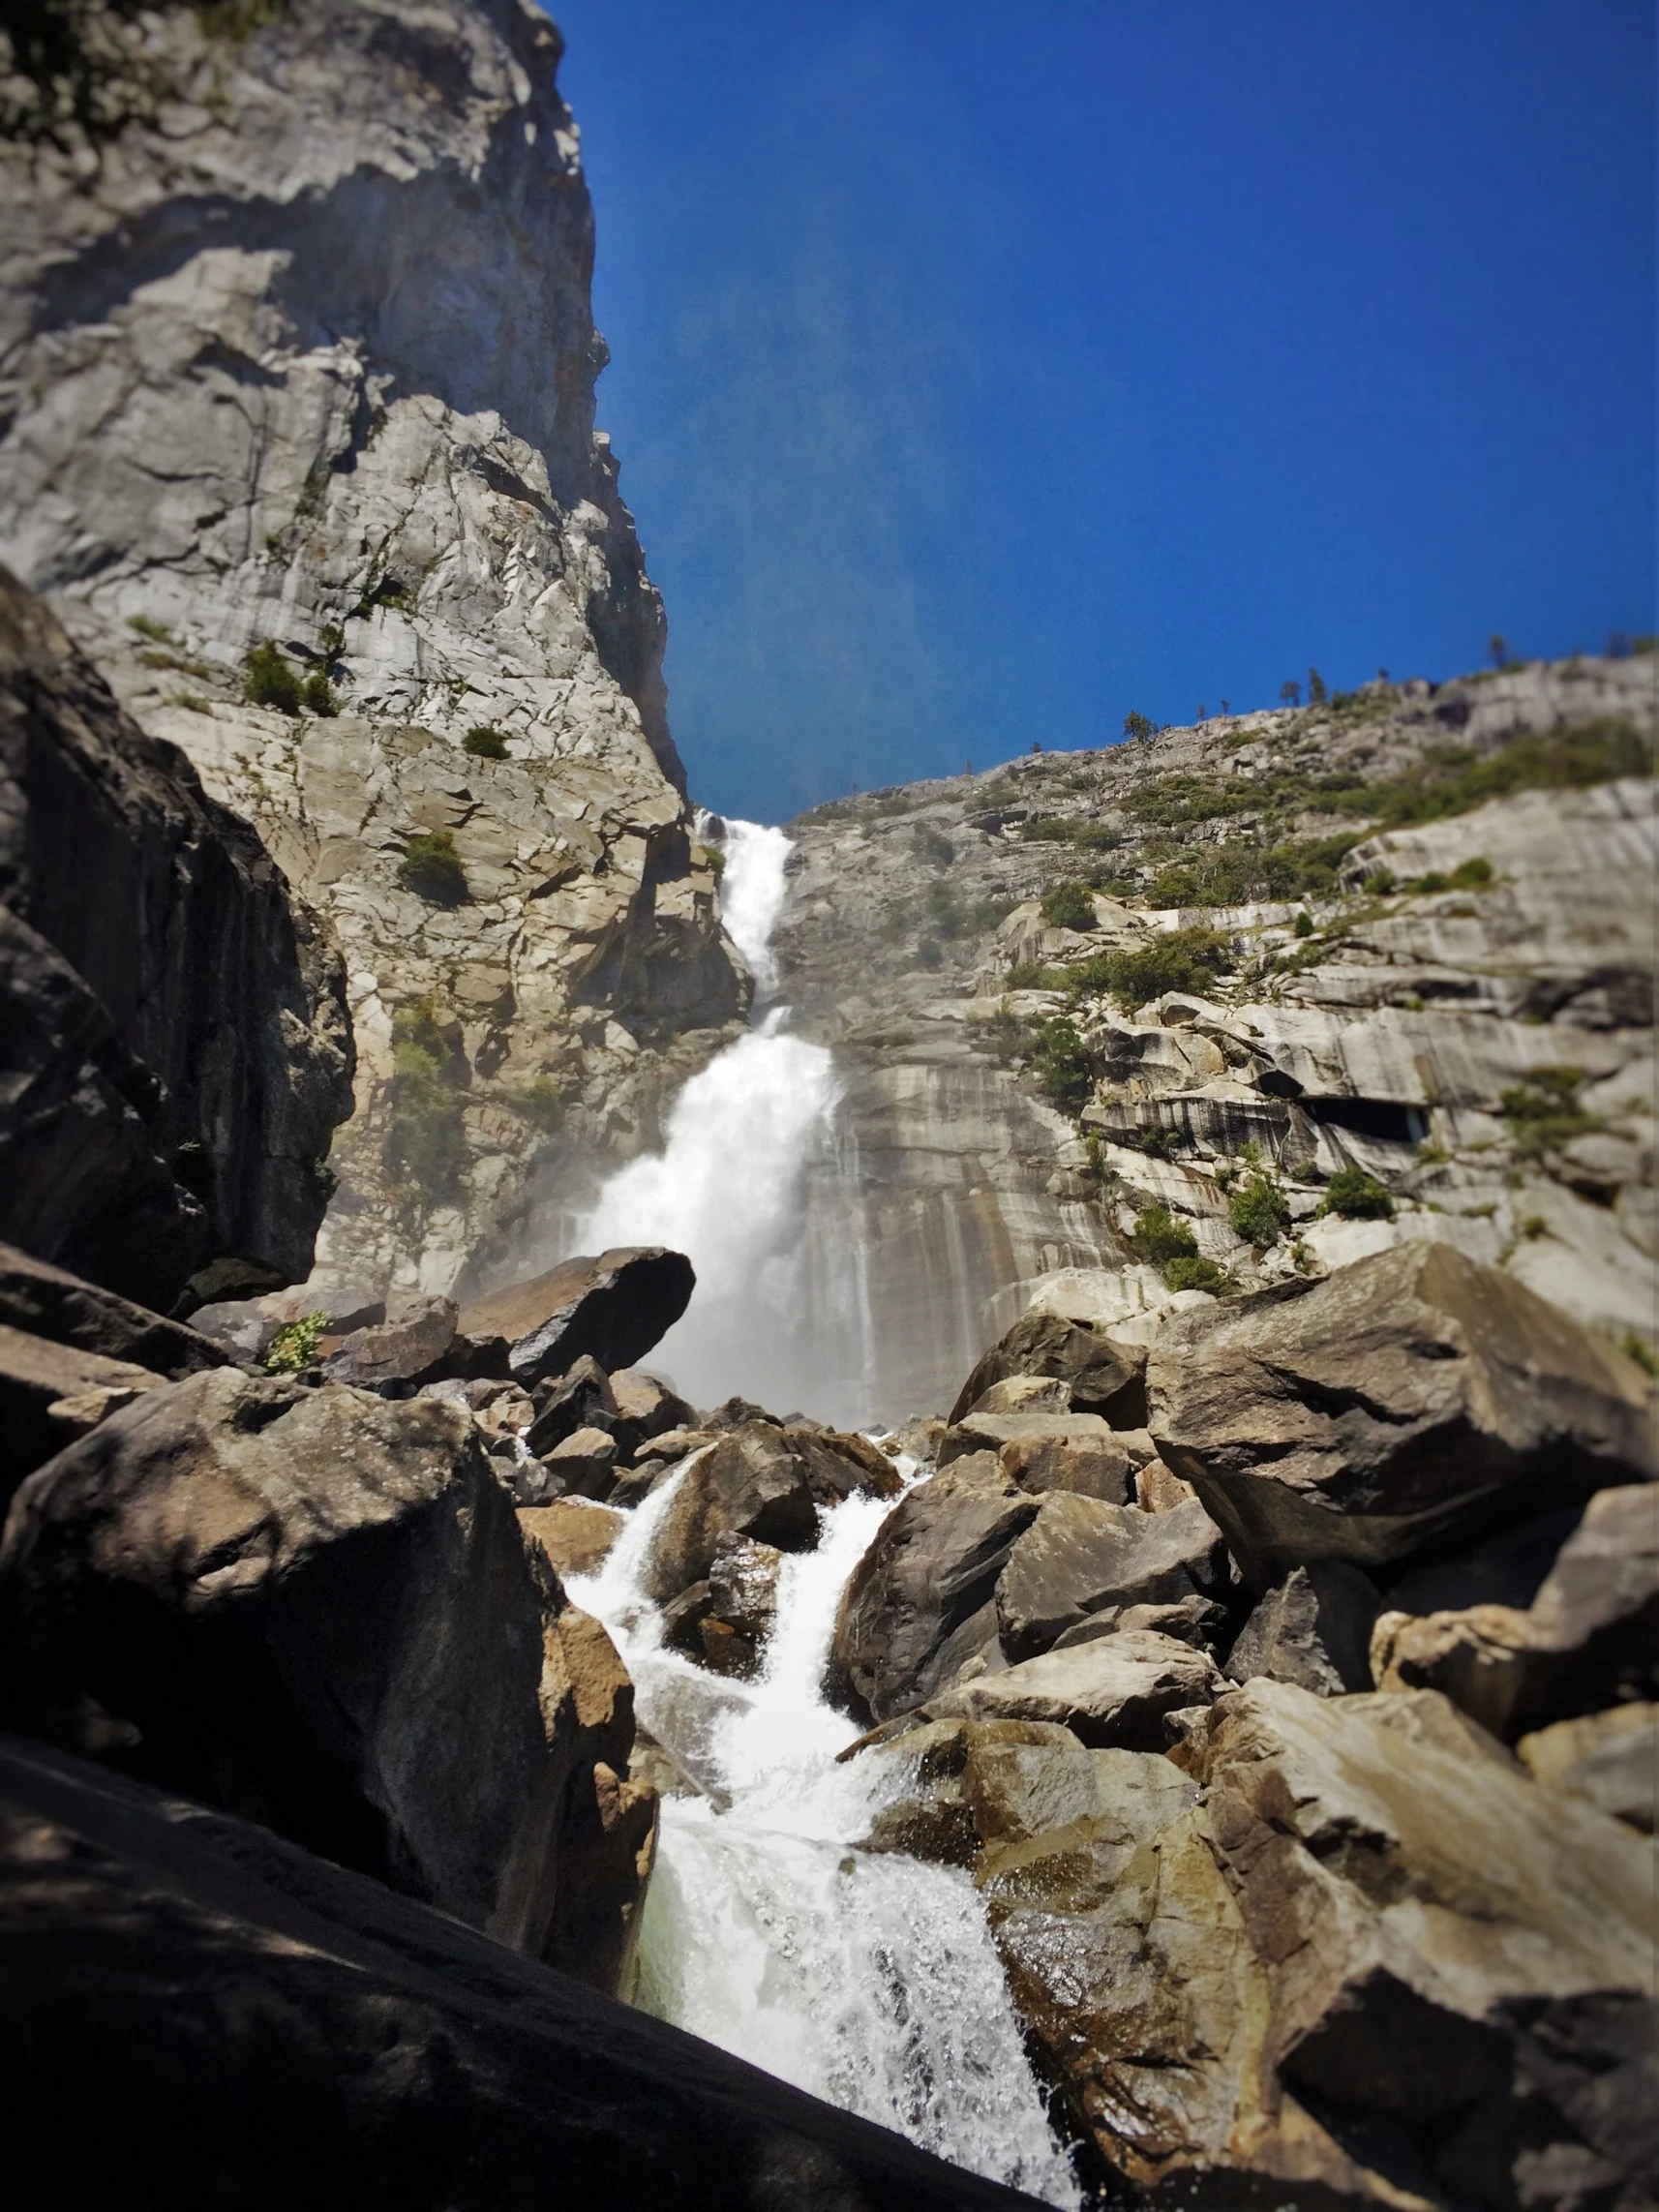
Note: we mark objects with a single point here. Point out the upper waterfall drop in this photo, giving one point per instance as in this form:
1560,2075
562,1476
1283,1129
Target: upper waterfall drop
753,888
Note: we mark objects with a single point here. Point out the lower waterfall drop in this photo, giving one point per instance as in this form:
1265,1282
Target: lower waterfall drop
869,1978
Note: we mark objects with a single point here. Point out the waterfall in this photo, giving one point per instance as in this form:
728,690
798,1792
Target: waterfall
869,1978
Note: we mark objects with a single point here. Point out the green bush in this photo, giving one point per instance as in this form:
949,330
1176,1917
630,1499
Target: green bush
1069,906
1304,925
541,1103
320,696
1357,1197
1259,1212
268,679
1543,1114
1189,1272
928,954
484,742
295,1346
1156,1143
1159,1237
1061,1066
1137,726
431,867
1176,959
424,1137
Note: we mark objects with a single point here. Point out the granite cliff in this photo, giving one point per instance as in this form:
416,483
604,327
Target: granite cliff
296,438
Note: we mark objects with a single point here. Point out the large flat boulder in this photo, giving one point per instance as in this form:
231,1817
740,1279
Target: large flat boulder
931,1570
316,1607
1080,1557
749,1483
177,1048
1410,1398
1374,1965
46,1301
1100,1374
614,1307
1112,1693
991,1432
1611,1758
255,2026
50,1394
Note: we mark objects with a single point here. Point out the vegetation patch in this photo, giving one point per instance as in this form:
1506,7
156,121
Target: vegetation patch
424,1146
270,679
1258,1211
484,742
1543,1114
431,867
1356,1194
295,1346
1061,1067
932,845
1240,872
1176,959
320,696
1170,1246
1069,906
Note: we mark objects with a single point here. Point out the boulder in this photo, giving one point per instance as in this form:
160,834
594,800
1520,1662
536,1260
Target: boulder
1590,1637
316,1606
737,1414
1313,1630
580,1398
917,1438
1024,1394
1370,1966
46,1301
1101,1376
1392,1406
1197,1620
177,1048
932,1568
673,1444
743,1583
584,1463
1042,1464
405,1347
838,1462
573,1535
749,1483
1507,1568
244,1330
926,1801
614,1307
1611,1758
1113,1692
990,1431
253,2025
50,1394
1079,1556
1157,1490
645,1407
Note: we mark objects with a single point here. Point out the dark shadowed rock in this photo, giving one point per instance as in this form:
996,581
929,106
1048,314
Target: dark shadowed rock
749,1483
1080,1556
742,1605
406,1345
1368,1415
177,1049
1611,1758
52,1393
933,1565
614,1307
46,1301
1589,1638
316,1606
582,1397
1313,1630
1508,1568
1102,1375
584,1463
1114,1691
201,1983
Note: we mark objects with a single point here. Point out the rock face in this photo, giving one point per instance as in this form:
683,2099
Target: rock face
1408,1397
315,1607
176,1052
1356,1007
299,362
205,1981
1313,1630
1079,1556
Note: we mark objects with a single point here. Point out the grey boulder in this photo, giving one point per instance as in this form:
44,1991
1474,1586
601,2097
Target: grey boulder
614,1307
749,1483
1080,1556
1313,1630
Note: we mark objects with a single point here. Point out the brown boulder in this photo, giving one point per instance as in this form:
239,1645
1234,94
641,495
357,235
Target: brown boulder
614,1307
931,1570
580,1398
316,1606
1080,1556
1101,1376
1100,1469
645,1407
585,1464
46,1301
1313,1630
1611,1758
574,1535
1157,1490
1372,1413
978,1431
749,1483
1113,1692
838,1462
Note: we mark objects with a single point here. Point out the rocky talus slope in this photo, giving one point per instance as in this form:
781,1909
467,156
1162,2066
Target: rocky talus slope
1149,1003
296,436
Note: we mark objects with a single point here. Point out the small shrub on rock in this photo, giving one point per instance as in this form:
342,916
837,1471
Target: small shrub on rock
1259,1212
1069,906
1061,1066
424,1133
320,696
1178,960
1357,1196
1304,925
295,1346
432,870
932,845
484,742
1159,1237
1191,1273
1543,1114
270,679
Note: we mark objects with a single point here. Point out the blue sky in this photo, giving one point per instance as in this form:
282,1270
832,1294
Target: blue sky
980,373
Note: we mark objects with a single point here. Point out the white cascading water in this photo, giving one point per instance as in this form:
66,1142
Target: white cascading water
869,1978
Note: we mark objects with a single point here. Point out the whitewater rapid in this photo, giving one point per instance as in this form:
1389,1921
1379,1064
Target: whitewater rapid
867,1979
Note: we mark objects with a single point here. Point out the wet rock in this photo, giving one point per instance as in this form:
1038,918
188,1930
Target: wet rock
1589,1638
52,1393
1113,1692
46,1301
582,1397
1042,1464
177,1048
916,1440
742,1581
413,1337
1400,1400
928,1811
1313,1630
614,1307
990,1431
933,1565
316,1606
1100,1374
202,1981
574,1535
1353,1974
749,1483
1079,1556
838,1462
1610,1758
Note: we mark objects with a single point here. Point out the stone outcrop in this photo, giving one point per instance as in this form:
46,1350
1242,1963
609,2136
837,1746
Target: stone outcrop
297,364
1080,1556
46,1301
315,1607
176,1046
1611,1758
201,1983
1313,1630
749,1483
1406,1399
1114,1691
612,1310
